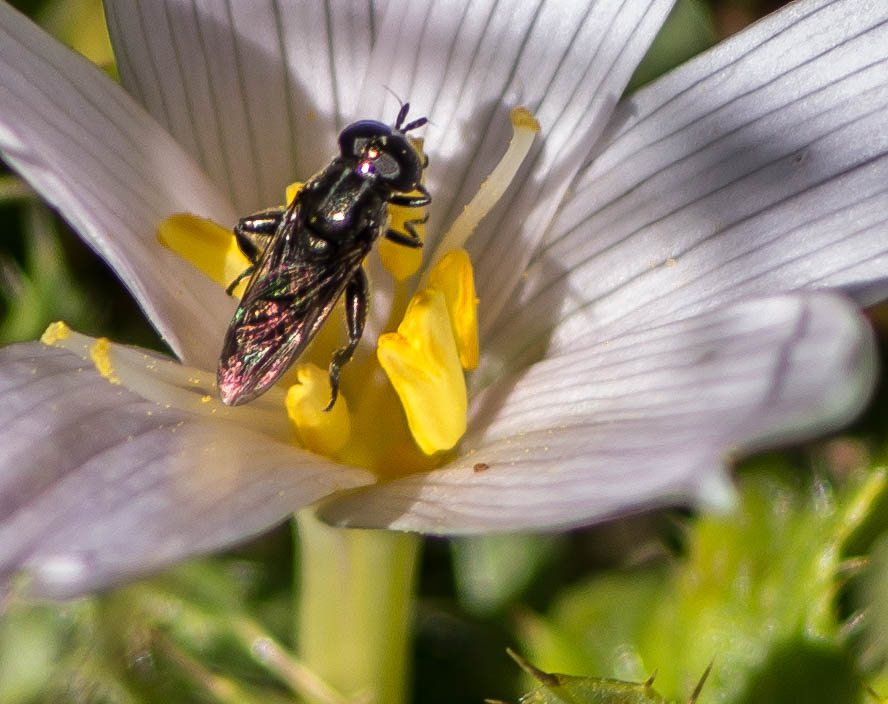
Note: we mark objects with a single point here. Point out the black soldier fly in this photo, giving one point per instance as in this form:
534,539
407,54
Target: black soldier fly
305,256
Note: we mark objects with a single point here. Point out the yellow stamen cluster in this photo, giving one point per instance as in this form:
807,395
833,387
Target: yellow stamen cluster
424,359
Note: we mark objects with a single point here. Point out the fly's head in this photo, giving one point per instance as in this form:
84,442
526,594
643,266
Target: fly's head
382,153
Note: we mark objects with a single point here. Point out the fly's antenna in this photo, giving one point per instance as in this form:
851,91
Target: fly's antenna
402,115
413,125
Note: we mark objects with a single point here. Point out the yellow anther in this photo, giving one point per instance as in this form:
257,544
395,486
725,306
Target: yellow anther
209,247
292,191
522,118
55,333
453,276
322,432
422,363
100,354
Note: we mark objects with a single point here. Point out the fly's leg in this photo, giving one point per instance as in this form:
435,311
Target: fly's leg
411,240
240,277
356,294
253,233
404,201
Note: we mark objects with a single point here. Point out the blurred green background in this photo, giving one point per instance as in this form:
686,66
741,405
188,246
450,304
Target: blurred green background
789,597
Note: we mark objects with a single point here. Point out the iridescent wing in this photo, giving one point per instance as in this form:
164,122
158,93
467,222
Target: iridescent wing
296,284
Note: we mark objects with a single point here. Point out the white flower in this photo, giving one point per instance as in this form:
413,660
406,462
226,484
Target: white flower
655,288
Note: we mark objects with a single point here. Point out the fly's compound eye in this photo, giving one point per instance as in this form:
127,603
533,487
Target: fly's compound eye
382,152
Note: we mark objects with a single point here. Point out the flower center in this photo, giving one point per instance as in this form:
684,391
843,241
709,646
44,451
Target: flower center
398,412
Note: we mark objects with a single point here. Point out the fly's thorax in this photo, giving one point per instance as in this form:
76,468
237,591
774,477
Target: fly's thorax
340,205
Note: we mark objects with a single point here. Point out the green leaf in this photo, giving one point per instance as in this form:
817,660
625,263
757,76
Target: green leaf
570,689
872,599
688,31
41,290
755,589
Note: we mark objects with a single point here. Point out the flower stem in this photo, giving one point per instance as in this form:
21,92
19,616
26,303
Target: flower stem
355,602
13,188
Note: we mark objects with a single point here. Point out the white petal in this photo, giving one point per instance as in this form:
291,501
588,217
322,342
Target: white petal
255,91
637,420
113,173
466,64
761,166
97,484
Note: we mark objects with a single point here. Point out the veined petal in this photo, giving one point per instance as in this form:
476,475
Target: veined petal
98,484
466,64
111,171
256,92
637,420
761,166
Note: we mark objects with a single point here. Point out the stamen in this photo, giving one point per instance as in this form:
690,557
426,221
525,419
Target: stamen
525,128
292,191
100,354
322,432
208,247
169,383
422,363
454,278
424,359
